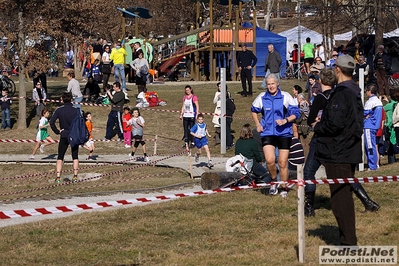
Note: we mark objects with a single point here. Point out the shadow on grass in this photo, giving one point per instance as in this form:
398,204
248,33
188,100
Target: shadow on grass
322,202
329,234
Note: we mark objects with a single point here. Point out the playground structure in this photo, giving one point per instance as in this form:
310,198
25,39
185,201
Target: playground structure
206,48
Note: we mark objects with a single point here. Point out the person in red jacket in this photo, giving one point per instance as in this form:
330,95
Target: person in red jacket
127,128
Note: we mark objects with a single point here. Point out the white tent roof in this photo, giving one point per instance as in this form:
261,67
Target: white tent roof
292,36
394,33
346,36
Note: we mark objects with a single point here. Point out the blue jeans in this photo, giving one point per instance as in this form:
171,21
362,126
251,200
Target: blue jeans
119,71
311,166
78,100
5,119
260,171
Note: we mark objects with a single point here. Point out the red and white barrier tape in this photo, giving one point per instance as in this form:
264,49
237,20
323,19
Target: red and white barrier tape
91,206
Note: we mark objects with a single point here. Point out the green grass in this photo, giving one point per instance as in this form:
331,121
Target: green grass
238,228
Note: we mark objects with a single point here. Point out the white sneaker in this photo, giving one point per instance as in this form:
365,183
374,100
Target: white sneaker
147,159
131,157
273,190
42,148
210,164
127,146
31,157
284,193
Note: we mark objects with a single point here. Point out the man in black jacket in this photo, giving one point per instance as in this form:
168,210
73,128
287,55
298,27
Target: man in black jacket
339,145
246,60
65,114
117,99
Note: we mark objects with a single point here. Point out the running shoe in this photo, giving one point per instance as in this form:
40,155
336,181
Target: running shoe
147,159
127,146
90,158
210,164
75,179
284,193
31,157
42,148
273,190
57,180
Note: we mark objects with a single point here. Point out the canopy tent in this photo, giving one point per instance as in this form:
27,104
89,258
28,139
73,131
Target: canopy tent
346,36
263,39
292,37
394,33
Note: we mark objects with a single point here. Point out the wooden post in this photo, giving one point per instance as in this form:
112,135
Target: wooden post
254,43
123,27
155,144
301,214
136,27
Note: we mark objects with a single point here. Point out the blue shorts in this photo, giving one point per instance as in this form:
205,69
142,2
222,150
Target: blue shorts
199,143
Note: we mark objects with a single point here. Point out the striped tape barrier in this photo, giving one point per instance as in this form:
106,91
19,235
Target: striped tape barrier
56,141
92,206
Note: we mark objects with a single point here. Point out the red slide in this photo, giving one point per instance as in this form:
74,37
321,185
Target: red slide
175,60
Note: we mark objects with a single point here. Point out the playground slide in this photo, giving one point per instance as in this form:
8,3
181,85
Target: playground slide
175,60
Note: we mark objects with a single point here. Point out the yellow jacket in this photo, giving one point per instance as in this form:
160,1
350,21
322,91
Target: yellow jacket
118,56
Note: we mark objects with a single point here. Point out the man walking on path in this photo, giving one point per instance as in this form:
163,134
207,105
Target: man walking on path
272,64
246,60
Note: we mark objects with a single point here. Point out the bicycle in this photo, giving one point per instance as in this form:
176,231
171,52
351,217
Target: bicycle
288,71
6,82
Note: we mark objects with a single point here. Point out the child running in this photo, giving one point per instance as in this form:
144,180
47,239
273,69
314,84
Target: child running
199,132
137,122
89,145
42,134
127,128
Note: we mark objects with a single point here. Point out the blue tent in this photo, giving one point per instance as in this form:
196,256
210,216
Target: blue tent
263,39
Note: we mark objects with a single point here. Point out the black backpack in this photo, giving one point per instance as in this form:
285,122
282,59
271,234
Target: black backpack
78,133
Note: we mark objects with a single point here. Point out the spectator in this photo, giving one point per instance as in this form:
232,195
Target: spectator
390,134
39,96
96,71
303,128
5,109
331,63
308,50
382,66
357,52
320,53
230,108
272,64
117,99
118,55
189,112
372,121
327,79
140,66
246,60
295,57
249,148
127,129
91,90
74,88
136,49
361,64
69,57
275,127
339,144
65,114
314,88
106,69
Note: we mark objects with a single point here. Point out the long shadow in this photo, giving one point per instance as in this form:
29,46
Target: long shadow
322,202
328,233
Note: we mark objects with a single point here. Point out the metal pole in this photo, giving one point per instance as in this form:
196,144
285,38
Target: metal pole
299,36
361,85
223,112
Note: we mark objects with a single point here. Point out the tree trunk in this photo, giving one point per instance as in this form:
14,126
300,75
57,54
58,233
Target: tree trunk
268,11
22,88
